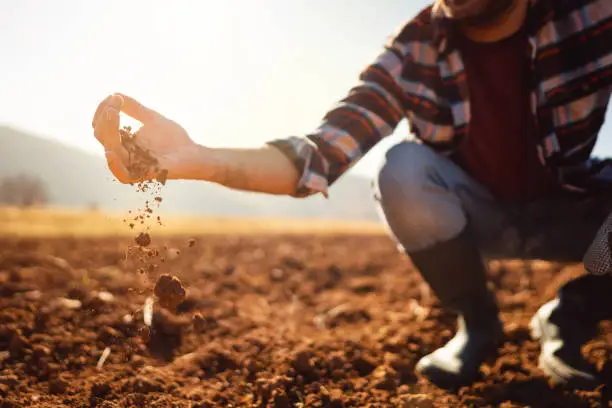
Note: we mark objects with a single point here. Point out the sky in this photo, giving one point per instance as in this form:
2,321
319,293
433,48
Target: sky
233,73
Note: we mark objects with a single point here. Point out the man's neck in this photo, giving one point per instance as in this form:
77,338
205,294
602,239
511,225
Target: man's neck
507,25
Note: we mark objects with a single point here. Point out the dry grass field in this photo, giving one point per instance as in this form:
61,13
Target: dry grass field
45,222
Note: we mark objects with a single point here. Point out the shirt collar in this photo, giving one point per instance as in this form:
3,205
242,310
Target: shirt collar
443,27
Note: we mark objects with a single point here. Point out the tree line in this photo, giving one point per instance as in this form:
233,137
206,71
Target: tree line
23,190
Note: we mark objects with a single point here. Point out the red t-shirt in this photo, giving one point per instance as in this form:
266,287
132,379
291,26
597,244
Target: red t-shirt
500,147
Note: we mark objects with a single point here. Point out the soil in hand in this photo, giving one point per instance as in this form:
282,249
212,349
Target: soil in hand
140,162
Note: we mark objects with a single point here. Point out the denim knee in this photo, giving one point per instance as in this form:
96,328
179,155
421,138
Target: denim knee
419,209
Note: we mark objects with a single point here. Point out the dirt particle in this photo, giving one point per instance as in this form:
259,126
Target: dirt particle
142,385
191,242
303,365
108,335
281,400
385,379
169,291
9,380
364,365
415,401
202,324
18,345
58,386
100,389
143,239
39,351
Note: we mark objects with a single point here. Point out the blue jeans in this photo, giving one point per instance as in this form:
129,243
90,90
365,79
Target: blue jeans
426,199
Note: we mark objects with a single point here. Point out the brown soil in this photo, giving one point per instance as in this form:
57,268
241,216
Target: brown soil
274,321
143,239
169,291
140,160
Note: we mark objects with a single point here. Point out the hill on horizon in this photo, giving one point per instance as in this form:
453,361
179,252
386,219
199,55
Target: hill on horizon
76,178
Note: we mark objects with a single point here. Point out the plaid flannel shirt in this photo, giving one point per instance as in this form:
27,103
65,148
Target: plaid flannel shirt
420,76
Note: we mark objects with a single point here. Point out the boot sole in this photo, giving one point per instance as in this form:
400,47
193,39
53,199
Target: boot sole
537,333
536,328
449,381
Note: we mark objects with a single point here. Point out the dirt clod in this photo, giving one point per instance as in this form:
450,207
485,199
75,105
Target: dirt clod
169,291
18,345
100,389
9,380
58,386
143,239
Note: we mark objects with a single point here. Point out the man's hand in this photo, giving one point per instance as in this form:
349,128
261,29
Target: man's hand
264,169
165,140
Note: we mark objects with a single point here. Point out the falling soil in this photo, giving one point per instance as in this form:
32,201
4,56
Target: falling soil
269,321
169,291
143,239
140,164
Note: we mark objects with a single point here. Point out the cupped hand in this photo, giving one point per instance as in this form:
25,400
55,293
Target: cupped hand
164,140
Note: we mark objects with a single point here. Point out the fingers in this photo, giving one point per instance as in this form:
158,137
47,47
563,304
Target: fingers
106,124
99,110
129,106
106,130
114,100
138,111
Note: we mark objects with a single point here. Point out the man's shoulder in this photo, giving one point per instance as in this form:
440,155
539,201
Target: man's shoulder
552,10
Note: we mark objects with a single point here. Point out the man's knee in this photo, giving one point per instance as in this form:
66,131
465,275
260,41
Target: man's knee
418,209
406,165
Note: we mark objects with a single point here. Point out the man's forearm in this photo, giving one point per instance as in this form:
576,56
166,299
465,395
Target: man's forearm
264,169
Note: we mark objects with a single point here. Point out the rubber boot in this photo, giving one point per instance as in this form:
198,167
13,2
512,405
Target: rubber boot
456,273
566,323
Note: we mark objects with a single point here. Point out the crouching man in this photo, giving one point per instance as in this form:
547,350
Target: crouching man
505,99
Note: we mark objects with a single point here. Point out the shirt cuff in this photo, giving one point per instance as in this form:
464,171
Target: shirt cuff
311,166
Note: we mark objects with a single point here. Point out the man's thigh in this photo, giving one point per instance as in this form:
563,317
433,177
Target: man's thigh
559,228
445,189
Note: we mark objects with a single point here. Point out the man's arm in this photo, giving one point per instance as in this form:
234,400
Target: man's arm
370,112
264,169
296,166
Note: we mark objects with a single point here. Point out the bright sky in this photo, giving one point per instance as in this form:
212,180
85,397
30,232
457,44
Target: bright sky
233,73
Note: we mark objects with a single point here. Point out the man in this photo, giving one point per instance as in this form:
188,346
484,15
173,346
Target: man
505,98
